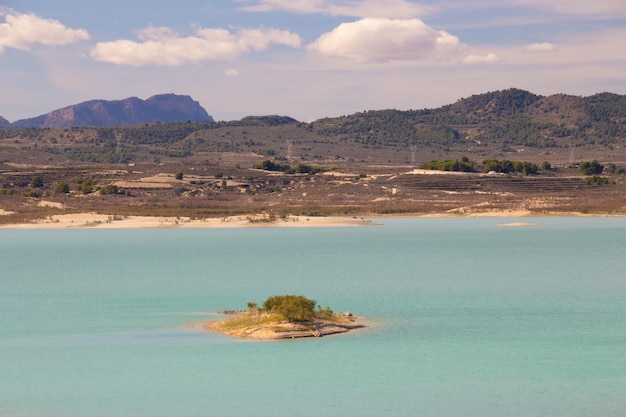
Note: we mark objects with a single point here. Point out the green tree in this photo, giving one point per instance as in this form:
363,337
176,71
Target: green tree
463,165
179,175
291,307
268,165
36,182
591,168
62,188
86,185
110,189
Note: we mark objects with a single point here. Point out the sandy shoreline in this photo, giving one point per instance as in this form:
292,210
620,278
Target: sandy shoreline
103,221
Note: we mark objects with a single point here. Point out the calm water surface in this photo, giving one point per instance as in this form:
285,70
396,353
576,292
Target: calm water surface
468,319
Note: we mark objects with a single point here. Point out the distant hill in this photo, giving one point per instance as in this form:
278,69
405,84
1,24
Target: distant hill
101,113
502,119
512,124
4,123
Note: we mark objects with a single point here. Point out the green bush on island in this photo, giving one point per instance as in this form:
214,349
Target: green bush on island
284,317
295,308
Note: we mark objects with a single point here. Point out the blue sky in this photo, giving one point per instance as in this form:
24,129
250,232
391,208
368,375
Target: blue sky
304,58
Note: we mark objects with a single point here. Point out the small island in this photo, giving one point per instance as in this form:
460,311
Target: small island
284,317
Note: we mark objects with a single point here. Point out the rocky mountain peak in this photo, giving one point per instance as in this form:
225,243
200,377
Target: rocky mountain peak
4,123
132,110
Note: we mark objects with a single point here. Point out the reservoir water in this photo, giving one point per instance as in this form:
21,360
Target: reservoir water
468,319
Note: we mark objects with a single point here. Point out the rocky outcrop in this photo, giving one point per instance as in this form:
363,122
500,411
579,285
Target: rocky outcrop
98,113
263,326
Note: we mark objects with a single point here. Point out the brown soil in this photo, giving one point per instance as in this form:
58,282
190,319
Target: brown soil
351,190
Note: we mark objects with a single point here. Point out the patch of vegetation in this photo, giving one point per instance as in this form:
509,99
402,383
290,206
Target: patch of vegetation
112,189
294,308
507,167
270,218
597,180
62,188
31,193
247,321
36,182
611,168
591,167
86,185
463,165
268,165
273,120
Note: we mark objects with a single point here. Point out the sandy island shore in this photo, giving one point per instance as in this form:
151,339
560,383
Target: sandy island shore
266,326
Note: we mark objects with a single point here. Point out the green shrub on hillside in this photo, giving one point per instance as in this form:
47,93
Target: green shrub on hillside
591,168
268,165
86,185
463,165
506,166
62,188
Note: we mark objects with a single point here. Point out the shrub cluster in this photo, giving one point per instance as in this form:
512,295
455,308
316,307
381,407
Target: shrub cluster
291,307
505,166
591,167
268,165
597,180
463,165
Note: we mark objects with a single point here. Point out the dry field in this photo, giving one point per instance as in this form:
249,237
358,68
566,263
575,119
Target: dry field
209,191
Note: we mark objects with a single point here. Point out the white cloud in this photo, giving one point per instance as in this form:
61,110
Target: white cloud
232,72
480,59
385,40
163,46
541,47
22,31
354,8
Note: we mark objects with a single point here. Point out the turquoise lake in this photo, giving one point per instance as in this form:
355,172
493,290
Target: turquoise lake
468,319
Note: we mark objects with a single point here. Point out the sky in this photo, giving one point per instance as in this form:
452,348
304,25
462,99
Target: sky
307,59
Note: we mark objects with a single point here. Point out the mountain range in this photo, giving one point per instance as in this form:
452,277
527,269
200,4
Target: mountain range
504,120
129,111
